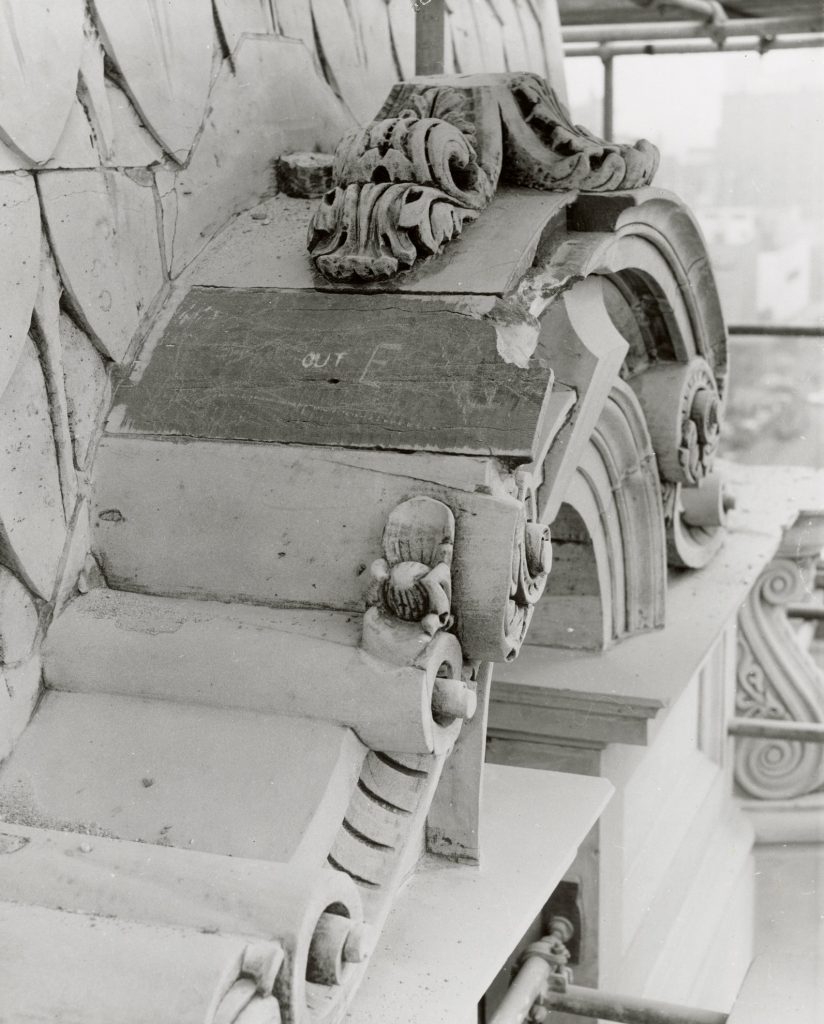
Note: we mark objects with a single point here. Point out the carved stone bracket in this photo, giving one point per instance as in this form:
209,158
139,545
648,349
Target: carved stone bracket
413,581
406,623
431,161
776,676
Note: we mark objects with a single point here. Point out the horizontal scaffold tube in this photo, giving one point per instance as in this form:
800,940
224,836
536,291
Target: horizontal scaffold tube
631,31
613,1006
670,47
777,729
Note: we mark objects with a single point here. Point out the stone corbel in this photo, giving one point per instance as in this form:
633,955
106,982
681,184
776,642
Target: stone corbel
430,162
776,677
406,623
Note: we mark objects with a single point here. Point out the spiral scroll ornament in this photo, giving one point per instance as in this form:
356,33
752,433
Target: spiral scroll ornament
776,679
531,564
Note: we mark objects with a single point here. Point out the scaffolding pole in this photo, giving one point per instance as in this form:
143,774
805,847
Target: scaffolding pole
716,31
809,40
777,729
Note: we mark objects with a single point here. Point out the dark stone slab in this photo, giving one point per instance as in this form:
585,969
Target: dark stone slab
384,371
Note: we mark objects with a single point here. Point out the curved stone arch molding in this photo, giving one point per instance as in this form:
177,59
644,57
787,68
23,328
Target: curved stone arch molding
776,676
649,247
656,238
666,223
615,493
40,49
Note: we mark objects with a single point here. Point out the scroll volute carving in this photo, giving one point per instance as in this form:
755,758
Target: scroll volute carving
406,184
776,676
682,408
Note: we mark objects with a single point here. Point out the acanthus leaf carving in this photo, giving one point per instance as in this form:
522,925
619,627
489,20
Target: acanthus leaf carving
407,183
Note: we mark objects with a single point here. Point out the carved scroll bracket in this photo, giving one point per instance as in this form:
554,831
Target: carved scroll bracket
695,519
406,184
683,413
776,676
410,605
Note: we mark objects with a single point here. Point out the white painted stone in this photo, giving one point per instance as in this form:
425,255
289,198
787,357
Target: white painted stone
237,17
19,266
104,230
40,48
19,691
232,167
92,91
18,619
372,23
47,319
164,54
131,145
402,24
32,525
339,46
75,148
183,775
75,574
98,970
87,387
295,22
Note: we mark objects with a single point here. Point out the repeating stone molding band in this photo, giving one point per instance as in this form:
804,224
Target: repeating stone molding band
777,677
406,183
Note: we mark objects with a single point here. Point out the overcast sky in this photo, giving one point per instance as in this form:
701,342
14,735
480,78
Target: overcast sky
675,100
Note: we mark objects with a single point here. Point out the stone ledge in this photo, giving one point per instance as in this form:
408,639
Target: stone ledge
452,917
600,697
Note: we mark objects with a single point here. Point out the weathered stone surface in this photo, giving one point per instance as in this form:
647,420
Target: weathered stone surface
489,36
371,19
232,167
103,228
19,690
19,266
468,51
18,619
47,339
295,21
79,567
402,25
239,16
339,47
32,525
87,387
314,368
75,147
304,175
39,55
131,144
92,92
164,54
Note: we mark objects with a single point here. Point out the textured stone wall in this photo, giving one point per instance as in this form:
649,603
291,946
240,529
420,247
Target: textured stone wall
130,133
